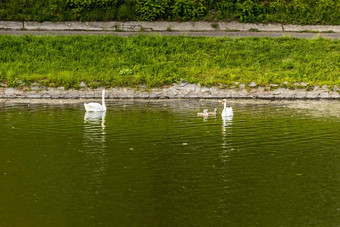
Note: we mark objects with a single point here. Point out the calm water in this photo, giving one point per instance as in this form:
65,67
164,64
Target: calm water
158,164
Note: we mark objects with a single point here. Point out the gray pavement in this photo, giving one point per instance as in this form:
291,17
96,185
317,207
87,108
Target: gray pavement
199,28
166,33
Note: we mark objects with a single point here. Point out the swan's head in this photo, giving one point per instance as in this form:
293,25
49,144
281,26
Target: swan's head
224,101
205,111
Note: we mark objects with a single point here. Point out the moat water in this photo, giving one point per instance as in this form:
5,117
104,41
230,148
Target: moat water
156,163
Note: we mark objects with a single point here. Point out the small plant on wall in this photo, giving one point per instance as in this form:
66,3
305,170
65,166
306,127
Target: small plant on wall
215,26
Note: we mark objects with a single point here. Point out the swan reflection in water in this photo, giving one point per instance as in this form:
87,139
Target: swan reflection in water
226,135
95,118
225,178
96,159
95,130
226,123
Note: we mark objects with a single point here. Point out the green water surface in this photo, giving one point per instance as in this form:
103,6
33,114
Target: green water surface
155,163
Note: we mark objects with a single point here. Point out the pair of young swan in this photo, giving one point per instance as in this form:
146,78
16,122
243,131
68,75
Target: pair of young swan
227,111
96,107
207,114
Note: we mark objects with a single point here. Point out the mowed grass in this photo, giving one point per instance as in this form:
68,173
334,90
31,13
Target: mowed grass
156,61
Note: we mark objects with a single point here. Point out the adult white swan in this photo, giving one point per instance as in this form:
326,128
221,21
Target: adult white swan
96,107
227,111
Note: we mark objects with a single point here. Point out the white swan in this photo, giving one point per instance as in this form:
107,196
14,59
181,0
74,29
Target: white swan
96,107
227,111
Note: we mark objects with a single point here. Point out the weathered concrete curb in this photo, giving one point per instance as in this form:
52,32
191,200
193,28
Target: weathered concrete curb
136,26
177,91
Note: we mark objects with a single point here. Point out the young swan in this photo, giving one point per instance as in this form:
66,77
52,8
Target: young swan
96,107
204,114
227,111
213,113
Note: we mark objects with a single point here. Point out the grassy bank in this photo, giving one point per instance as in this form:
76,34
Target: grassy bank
157,61
250,11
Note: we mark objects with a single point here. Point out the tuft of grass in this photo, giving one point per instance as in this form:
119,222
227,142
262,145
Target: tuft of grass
232,30
312,31
215,26
254,30
117,28
307,31
159,60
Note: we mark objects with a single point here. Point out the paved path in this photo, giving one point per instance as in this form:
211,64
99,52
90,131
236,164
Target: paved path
206,34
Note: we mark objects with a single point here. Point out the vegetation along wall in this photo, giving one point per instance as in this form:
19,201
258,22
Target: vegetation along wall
265,11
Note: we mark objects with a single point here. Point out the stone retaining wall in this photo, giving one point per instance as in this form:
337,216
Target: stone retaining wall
177,91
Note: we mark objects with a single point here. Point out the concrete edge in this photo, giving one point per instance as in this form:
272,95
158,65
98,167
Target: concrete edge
136,26
13,25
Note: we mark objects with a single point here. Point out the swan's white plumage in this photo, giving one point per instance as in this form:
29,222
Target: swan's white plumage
96,107
227,111
93,107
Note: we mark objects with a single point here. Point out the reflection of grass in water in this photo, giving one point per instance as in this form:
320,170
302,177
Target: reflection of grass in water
319,108
157,60
316,108
196,105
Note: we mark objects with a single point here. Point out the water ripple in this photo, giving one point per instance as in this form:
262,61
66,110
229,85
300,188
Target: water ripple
159,160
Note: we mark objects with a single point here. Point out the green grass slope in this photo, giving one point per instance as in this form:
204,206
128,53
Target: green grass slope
158,61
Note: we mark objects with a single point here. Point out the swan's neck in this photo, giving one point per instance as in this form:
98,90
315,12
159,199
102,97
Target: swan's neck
103,99
225,105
